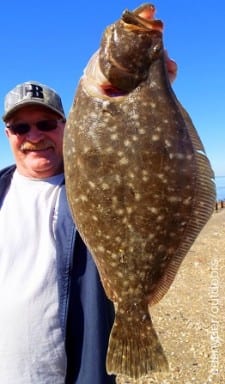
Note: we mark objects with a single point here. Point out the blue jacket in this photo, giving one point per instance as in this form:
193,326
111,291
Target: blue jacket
86,314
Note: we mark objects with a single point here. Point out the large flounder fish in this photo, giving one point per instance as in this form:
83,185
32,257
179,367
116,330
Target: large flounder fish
139,183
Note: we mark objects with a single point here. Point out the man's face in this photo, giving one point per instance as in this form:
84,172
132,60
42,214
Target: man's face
38,154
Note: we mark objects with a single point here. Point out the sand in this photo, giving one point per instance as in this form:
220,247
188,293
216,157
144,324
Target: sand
190,319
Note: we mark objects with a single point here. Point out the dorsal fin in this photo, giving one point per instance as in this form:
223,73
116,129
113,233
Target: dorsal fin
202,209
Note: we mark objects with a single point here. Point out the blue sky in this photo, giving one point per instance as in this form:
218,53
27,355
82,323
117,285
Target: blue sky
51,42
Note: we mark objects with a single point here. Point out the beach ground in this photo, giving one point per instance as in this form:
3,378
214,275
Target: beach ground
190,319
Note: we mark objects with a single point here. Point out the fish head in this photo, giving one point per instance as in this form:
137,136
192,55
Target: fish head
129,46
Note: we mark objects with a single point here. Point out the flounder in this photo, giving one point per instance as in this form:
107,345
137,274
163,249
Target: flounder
138,181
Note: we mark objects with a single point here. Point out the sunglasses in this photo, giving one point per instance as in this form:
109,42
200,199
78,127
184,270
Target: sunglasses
42,125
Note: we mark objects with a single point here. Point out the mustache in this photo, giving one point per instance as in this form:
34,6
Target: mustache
39,146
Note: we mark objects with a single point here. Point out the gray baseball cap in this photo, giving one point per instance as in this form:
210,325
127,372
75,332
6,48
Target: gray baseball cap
32,92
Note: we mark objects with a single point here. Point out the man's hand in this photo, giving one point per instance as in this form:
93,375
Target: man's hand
171,67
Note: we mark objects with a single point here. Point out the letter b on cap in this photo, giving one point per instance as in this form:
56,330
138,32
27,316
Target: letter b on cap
33,90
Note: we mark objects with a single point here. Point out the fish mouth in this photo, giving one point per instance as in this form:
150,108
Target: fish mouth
112,73
142,18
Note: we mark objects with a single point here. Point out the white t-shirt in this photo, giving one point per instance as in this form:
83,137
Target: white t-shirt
32,349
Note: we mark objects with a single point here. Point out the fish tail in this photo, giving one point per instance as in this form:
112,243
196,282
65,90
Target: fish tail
134,348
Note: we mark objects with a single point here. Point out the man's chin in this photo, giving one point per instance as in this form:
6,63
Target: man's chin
40,163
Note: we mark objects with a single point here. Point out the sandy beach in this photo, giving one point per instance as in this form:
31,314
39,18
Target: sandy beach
190,319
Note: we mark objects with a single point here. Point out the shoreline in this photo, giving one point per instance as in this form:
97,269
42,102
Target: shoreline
190,318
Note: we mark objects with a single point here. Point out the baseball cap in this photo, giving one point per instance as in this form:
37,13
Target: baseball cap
32,93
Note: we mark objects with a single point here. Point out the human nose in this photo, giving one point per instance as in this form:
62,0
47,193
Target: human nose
34,134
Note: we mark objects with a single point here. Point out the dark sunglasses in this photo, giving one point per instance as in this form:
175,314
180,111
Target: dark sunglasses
42,125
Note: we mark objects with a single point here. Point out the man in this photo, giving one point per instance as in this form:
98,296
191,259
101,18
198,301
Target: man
55,318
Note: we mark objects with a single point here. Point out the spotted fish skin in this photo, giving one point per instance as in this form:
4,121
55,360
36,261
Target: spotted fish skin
139,184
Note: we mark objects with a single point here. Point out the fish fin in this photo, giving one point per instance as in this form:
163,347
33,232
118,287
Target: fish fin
134,348
202,209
